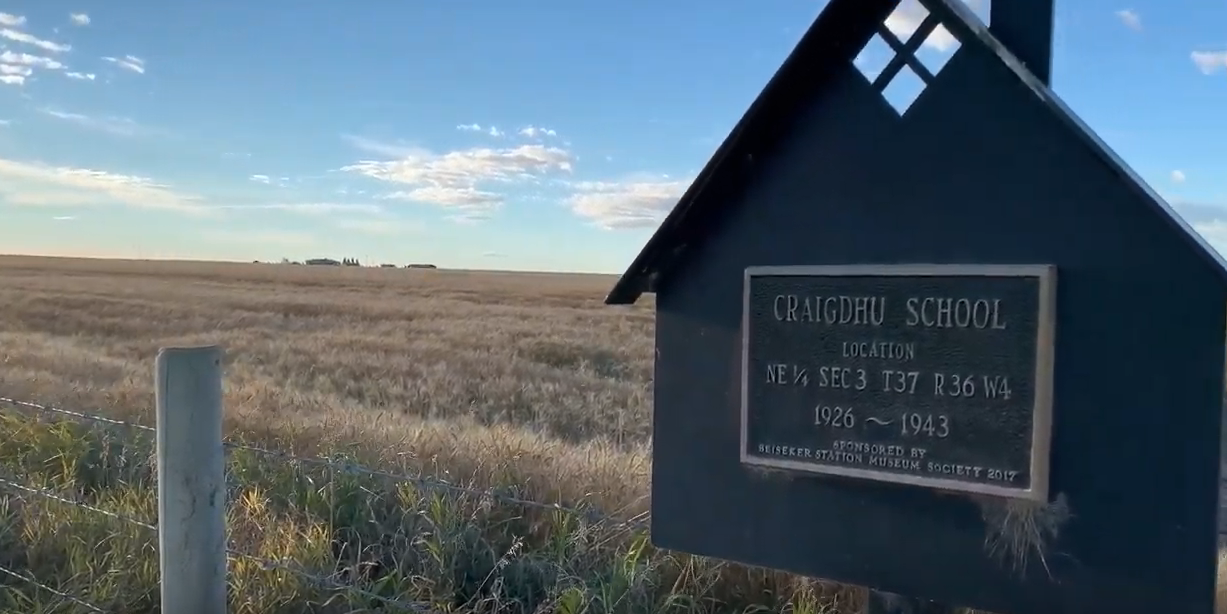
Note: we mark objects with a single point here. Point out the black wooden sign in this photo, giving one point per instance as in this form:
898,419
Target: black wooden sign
1029,423
932,375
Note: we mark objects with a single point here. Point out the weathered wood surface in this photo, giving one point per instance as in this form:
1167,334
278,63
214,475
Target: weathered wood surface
1222,506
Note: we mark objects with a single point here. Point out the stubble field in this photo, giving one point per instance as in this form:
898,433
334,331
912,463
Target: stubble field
525,385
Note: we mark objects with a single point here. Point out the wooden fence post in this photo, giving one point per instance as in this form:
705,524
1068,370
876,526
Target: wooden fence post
191,480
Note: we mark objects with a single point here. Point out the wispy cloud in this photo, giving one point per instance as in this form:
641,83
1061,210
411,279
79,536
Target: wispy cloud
119,126
11,69
493,255
16,67
1210,62
460,197
1130,18
281,238
64,218
80,76
310,208
5,122
128,62
79,19
1178,176
380,148
268,180
493,131
11,20
639,202
465,179
534,132
13,58
18,36
385,227
50,196
36,184
471,217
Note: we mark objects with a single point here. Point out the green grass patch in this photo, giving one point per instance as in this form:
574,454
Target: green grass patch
312,538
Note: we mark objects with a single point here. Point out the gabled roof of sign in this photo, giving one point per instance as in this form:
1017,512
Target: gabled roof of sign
799,79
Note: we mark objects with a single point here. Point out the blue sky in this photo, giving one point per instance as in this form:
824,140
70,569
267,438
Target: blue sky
542,135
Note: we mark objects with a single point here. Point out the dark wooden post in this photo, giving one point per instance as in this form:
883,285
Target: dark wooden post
889,603
1025,28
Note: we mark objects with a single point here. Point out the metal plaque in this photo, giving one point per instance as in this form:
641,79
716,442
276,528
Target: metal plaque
931,375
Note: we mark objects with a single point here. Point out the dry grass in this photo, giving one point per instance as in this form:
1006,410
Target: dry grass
524,383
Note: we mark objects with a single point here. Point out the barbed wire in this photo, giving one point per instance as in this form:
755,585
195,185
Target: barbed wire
325,582
61,594
52,496
428,483
55,497
48,409
266,564
634,523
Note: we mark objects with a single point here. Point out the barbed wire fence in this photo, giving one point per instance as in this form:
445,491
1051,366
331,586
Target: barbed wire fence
12,485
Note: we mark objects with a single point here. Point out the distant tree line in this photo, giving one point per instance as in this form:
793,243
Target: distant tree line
348,262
